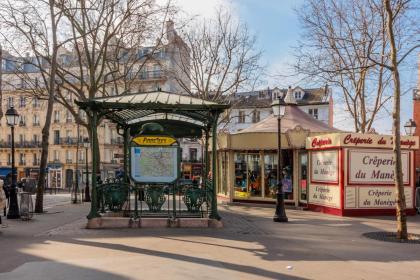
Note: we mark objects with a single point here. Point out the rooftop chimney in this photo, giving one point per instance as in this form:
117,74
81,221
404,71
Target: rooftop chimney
290,97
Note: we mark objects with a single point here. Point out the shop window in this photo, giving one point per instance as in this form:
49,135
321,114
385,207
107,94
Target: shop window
270,174
247,175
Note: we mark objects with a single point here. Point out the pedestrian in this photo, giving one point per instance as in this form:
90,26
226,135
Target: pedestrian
3,199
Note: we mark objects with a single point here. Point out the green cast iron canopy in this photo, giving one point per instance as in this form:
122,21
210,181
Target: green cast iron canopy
131,109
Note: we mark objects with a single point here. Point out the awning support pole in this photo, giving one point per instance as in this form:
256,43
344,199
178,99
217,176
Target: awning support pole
214,213
94,204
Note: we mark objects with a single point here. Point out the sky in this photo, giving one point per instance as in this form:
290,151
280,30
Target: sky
276,24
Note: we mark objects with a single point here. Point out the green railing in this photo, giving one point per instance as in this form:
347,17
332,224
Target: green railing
142,201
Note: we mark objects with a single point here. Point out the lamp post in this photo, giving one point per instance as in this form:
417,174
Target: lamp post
87,192
410,127
12,118
279,109
76,187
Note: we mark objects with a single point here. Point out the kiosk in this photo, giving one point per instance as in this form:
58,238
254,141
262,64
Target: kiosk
352,174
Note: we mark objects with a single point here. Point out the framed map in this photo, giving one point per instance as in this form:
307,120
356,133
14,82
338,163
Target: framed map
154,164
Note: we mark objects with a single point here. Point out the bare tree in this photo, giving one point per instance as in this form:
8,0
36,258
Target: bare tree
339,35
103,48
396,17
36,30
218,58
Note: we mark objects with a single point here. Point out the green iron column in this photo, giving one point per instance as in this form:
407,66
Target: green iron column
126,140
214,214
206,157
94,150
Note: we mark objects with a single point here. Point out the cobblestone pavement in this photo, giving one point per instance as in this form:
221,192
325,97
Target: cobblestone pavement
250,246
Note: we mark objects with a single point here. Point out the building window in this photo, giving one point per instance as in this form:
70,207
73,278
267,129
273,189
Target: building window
255,116
22,120
22,160
56,137
261,94
21,139
35,120
68,117
36,159
241,117
22,102
10,102
298,95
69,157
56,155
56,116
314,113
9,159
193,154
36,139
36,103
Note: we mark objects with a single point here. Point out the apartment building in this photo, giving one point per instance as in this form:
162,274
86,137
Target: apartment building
252,107
67,152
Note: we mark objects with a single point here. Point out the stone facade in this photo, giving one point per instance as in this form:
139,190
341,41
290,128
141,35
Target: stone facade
66,151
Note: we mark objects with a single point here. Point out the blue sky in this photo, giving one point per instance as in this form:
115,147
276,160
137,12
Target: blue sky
276,25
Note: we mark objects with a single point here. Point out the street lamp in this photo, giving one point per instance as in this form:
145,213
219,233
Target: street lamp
12,118
87,193
279,109
410,127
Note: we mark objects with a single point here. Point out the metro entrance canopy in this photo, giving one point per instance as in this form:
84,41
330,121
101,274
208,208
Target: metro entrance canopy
180,115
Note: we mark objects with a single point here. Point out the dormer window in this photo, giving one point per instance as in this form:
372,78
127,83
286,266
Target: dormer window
298,95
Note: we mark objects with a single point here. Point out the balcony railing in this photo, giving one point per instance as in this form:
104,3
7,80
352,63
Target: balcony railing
21,144
117,141
144,75
66,141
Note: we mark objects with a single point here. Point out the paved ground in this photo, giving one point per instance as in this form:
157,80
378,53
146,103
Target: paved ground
251,246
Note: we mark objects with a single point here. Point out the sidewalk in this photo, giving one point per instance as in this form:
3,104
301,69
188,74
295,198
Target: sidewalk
251,246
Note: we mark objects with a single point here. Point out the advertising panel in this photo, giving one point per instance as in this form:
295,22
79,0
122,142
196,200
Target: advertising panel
324,167
375,167
324,195
375,197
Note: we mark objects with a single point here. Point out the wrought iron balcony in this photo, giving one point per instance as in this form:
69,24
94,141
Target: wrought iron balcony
66,141
21,144
117,141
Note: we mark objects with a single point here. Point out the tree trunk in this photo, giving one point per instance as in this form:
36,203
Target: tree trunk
1,82
399,187
39,207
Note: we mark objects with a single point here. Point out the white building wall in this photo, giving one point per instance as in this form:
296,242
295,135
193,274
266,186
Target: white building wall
323,111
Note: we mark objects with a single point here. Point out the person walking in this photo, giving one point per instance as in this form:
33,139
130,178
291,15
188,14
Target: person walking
3,199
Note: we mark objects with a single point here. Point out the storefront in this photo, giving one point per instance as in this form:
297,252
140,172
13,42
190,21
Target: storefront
353,174
247,160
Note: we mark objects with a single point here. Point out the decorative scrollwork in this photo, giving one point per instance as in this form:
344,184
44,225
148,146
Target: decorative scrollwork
194,198
114,195
154,197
